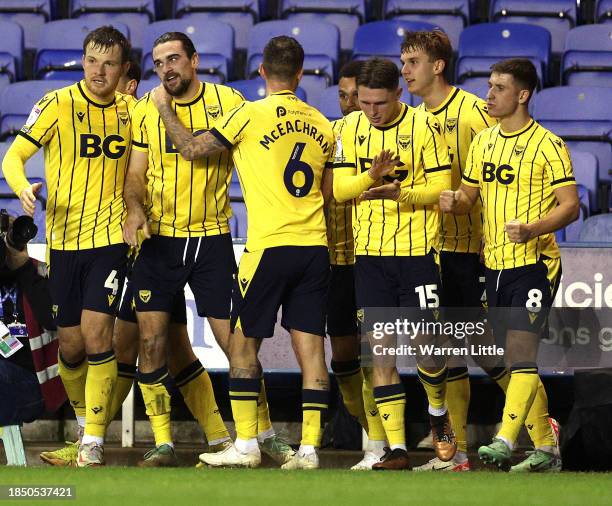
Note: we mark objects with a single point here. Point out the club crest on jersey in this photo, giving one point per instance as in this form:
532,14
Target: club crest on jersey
213,110
123,116
451,123
518,150
145,295
404,141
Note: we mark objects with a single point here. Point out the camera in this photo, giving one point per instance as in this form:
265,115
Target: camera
17,234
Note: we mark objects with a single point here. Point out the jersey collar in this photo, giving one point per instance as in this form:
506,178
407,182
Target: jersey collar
507,135
283,92
83,89
198,96
447,101
396,121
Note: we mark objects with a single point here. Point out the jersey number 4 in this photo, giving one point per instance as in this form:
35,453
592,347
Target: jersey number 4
294,166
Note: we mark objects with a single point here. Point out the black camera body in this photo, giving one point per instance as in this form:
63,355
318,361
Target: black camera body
18,233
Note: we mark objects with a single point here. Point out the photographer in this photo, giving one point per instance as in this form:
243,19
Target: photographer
29,382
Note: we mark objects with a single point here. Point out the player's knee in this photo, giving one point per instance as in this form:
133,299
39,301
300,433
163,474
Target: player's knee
344,348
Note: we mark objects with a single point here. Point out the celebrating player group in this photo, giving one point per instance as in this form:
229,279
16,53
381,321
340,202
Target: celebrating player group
390,206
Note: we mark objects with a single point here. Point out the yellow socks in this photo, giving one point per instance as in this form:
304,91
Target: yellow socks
435,388
350,382
391,402
244,393
197,390
101,379
153,386
125,379
264,424
314,411
376,431
73,377
537,424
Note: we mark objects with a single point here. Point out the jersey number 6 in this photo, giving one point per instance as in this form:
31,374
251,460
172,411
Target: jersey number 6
296,165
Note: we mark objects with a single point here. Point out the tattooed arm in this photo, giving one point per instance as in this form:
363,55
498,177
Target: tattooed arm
190,147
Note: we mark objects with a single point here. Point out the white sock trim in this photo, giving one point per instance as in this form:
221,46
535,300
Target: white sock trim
376,447
247,445
80,421
401,446
92,439
306,450
436,411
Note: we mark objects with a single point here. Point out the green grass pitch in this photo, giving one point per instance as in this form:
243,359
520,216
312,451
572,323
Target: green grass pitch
118,486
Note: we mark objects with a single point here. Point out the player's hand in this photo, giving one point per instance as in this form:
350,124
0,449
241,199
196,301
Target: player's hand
518,231
448,201
389,191
160,97
136,220
28,198
383,164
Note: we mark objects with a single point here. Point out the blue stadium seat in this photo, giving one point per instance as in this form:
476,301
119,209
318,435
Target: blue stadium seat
60,47
255,89
10,202
30,14
240,212
603,11
35,166
384,38
17,101
233,225
480,46
213,40
241,14
588,56
136,14
450,15
347,15
235,191
572,231
597,229
146,85
478,89
582,116
11,52
587,175
321,50
328,103
557,16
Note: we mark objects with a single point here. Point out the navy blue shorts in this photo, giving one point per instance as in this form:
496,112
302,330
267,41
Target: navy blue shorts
127,310
166,264
462,295
86,279
521,298
294,277
341,305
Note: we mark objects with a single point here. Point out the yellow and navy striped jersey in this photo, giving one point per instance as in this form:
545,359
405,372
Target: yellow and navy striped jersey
280,147
517,173
462,115
86,148
185,198
340,223
386,227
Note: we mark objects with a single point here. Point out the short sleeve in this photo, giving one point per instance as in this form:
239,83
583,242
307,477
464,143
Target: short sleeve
140,139
472,173
558,163
435,150
229,130
41,124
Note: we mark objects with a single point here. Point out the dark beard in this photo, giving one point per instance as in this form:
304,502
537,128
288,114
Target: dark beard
181,88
